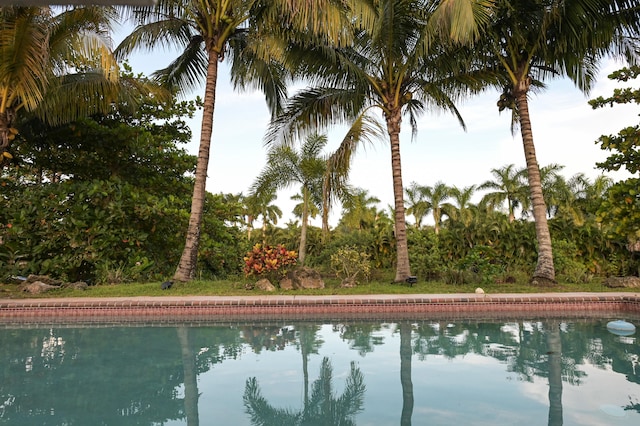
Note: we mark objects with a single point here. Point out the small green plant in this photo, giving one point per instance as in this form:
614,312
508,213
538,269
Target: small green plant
350,264
480,265
119,272
272,262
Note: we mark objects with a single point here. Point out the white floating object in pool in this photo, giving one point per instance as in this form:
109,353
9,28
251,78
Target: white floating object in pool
621,328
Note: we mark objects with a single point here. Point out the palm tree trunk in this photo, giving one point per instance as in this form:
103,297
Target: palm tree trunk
403,269
186,270
545,271
249,227
264,229
302,251
6,123
325,207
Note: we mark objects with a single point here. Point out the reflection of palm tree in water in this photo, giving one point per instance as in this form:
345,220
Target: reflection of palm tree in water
322,407
190,378
405,374
554,351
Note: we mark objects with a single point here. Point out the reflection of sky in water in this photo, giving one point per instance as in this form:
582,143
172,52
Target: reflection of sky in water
469,389
461,389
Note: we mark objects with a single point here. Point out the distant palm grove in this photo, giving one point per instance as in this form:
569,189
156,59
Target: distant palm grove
95,183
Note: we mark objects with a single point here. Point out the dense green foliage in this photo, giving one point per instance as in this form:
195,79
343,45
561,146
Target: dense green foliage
106,199
620,211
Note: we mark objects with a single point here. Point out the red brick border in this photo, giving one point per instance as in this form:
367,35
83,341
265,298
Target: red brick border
201,308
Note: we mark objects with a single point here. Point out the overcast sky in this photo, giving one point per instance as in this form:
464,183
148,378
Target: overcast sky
565,129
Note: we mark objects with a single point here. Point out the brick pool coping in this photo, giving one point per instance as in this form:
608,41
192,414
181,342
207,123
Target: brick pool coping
169,309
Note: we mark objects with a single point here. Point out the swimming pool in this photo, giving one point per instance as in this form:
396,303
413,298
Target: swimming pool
444,370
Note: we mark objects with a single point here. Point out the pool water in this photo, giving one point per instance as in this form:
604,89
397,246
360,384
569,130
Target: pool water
352,372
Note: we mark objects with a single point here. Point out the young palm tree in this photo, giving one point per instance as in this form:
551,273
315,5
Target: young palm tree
508,186
416,204
396,66
307,168
260,205
557,193
462,210
359,211
208,32
48,65
532,40
436,196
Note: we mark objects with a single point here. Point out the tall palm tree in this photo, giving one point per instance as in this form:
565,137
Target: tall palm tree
307,168
396,66
533,40
508,186
48,65
208,32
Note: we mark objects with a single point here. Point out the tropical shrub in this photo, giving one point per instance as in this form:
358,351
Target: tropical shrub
569,262
270,262
480,266
425,254
351,265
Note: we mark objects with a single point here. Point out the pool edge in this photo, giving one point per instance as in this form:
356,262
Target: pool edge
222,308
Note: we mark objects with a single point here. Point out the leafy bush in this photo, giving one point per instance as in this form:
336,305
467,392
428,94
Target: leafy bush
350,264
480,266
272,262
425,255
568,263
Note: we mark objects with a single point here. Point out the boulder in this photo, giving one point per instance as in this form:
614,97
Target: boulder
348,282
265,285
43,279
622,282
78,285
286,283
303,277
37,287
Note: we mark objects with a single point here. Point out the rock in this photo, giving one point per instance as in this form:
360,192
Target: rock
479,291
78,285
304,277
286,284
37,287
622,282
348,282
265,285
43,279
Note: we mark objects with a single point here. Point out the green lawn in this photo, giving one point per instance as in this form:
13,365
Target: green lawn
237,288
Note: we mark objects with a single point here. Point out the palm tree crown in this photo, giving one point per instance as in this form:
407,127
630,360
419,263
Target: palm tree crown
395,65
48,65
